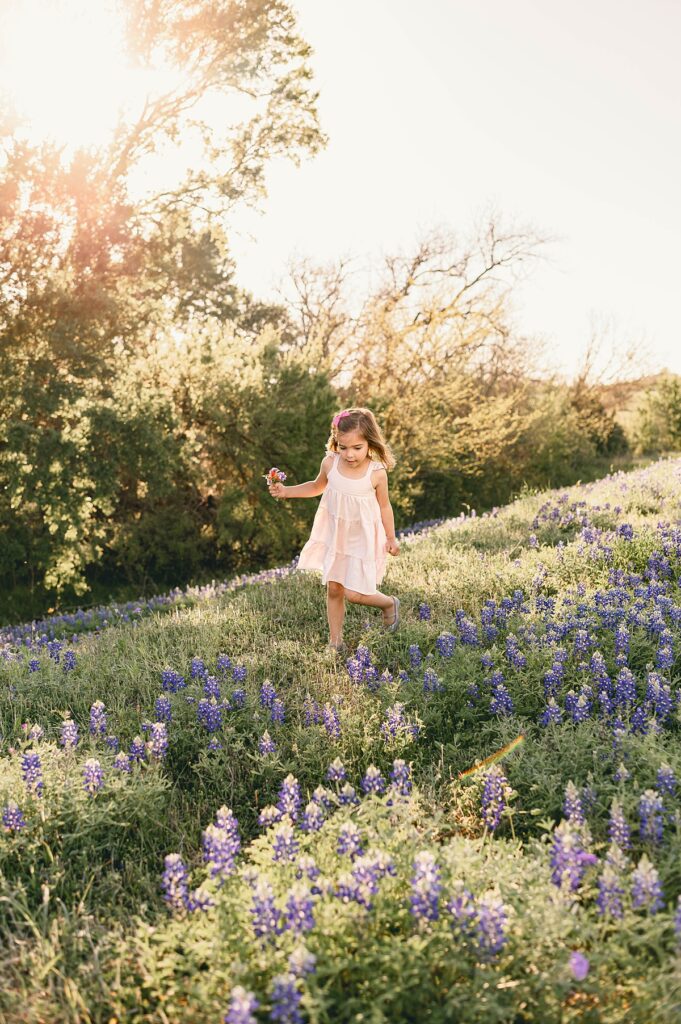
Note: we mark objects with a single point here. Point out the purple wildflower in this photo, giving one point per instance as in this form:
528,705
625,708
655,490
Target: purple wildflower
425,887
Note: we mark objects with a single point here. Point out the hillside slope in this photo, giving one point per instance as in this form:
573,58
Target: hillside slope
344,830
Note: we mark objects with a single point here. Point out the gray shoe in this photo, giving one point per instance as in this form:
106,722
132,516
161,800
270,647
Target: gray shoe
391,627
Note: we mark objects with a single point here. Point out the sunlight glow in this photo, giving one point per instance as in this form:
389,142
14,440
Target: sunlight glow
63,69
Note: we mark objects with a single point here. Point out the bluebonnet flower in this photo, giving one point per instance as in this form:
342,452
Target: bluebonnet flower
425,887
289,797
349,840
138,749
622,774
172,681
298,914
666,780
336,771
268,694
69,662
123,762
34,665
625,687
569,859
312,711
583,642
493,800
415,655
622,639
113,743
162,709
490,925
264,914
486,660
209,715
93,778
646,891
572,805
175,881
664,656
431,682
658,696
445,644
223,663
69,734
158,741
97,719
269,816
199,900
462,908
396,726
221,844
401,777
361,668
347,795
650,811
501,702
238,698
313,818
618,829
331,720
625,531
324,797
285,845
32,773
468,631
368,870
307,868
579,965
424,612
266,744
12,817
552,713
53,649
242,1006
610,893
211,687
278,711
373,781
302,962
513,653
239,673
579,705
197,669
286,1000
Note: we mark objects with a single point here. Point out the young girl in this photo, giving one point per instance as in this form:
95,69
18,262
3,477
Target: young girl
354,525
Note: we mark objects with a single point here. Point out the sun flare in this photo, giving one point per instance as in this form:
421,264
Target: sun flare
64,70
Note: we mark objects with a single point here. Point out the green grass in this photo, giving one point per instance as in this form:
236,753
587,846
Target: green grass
86,934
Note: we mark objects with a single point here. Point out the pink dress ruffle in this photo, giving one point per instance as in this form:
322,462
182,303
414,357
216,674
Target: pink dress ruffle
347,542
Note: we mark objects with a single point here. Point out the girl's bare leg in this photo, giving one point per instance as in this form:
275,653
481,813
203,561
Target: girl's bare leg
335,610
377,600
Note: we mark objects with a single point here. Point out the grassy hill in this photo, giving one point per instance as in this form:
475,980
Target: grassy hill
205,810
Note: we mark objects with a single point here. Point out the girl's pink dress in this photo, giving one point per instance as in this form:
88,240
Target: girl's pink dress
347,542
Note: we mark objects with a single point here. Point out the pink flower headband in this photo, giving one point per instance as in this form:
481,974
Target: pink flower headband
336,420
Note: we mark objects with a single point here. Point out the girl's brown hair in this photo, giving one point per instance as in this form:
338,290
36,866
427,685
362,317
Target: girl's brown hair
364,421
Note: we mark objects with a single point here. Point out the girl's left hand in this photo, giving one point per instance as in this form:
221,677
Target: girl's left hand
392,546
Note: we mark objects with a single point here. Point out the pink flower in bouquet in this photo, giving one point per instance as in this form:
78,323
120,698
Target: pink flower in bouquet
275,476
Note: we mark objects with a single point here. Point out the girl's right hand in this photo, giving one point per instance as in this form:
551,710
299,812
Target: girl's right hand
277,489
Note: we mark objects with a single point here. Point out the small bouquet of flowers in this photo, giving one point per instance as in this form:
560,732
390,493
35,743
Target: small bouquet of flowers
275,476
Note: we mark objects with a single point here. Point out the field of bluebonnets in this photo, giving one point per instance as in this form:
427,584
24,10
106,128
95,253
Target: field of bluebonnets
207,816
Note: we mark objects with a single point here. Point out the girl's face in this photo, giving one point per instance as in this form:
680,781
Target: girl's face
353,447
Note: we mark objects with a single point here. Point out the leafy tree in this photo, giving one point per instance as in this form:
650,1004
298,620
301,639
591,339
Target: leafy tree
93,277
659,424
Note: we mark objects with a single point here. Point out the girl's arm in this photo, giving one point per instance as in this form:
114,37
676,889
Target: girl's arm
310,489
387,515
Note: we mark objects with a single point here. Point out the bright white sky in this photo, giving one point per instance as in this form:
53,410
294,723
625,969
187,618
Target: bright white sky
566,116
562,116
